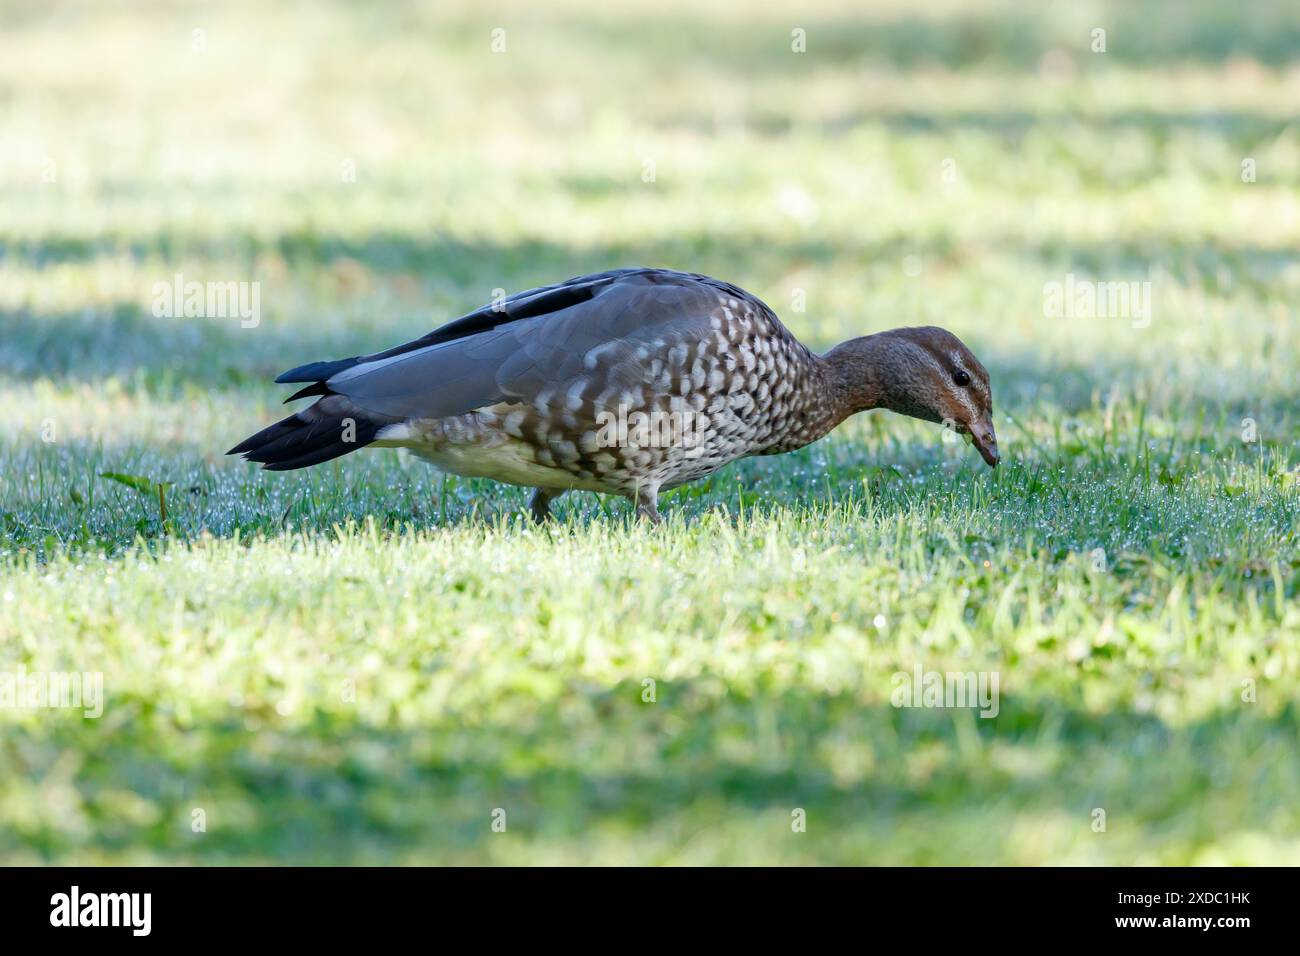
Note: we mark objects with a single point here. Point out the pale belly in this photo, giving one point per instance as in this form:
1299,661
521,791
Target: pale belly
508,460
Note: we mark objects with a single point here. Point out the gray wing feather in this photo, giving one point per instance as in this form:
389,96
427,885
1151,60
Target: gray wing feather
521,360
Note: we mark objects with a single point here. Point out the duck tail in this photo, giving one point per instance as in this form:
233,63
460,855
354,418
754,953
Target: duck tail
330,428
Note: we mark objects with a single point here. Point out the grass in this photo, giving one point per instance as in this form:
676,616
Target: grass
361,663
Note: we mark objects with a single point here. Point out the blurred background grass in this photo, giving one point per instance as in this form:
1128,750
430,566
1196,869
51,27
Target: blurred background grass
502,665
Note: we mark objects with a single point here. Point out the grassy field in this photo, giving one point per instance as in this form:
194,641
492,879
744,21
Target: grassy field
366,662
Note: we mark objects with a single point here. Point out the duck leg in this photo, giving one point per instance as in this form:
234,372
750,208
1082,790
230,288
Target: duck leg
540,505
647,503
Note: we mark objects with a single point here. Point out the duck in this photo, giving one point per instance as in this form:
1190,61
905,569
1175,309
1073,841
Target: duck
629,382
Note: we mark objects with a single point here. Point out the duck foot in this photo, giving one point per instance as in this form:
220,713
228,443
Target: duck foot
540,505
647,505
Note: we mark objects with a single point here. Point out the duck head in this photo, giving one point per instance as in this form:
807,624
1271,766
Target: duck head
925,373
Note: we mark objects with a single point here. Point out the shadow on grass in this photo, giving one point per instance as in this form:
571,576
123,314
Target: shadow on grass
1150,34
1239,127
125,340
1061,493
705,763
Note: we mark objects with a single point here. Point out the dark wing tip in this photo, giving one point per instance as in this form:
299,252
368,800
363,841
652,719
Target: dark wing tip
317,371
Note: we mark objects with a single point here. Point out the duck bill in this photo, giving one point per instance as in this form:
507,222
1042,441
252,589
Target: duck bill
986,443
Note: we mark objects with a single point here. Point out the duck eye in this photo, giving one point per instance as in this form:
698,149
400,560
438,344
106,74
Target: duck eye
961,378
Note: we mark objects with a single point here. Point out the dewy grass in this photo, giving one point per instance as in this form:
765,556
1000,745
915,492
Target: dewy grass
364,662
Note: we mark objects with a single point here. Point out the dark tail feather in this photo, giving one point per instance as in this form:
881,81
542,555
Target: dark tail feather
329,429
315,388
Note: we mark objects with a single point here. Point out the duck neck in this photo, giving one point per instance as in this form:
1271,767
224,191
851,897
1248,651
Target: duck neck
838,384
854,374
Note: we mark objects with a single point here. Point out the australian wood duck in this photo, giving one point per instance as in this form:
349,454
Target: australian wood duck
628,382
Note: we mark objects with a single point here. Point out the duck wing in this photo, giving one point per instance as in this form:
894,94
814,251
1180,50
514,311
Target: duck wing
537,343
